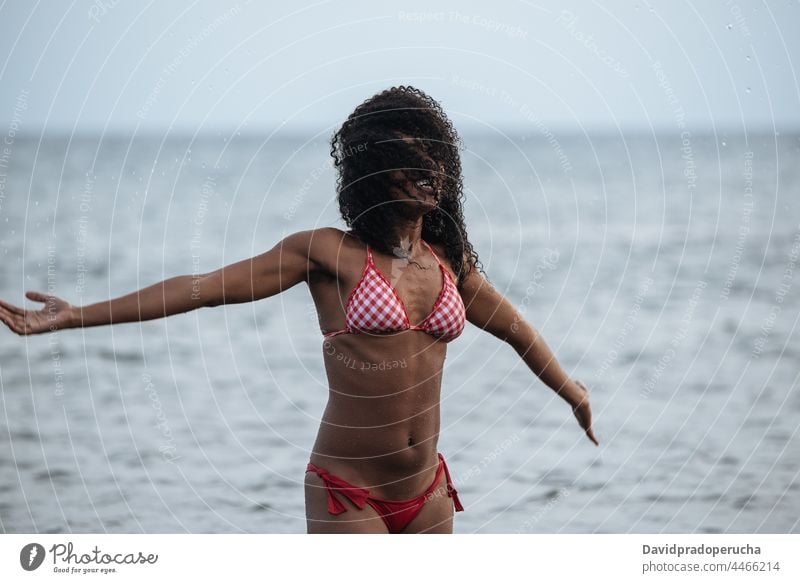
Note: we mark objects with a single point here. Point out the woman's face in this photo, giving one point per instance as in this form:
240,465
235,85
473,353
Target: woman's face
420,188
421,191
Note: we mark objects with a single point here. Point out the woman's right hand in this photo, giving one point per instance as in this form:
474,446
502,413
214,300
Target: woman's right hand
56,314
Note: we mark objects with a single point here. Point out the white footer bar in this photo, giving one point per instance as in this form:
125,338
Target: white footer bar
354,558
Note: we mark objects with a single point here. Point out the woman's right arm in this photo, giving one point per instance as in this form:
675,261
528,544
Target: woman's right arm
283,266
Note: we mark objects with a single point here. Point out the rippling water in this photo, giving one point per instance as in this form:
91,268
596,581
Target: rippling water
661,273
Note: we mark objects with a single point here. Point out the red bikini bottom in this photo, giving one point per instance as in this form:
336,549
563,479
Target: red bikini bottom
396,514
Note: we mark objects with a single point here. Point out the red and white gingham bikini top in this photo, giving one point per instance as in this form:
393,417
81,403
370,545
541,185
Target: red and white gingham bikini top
374,307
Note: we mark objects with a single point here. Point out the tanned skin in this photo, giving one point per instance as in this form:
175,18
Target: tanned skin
381,424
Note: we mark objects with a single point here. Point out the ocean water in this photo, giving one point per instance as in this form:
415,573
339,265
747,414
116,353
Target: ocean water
663,271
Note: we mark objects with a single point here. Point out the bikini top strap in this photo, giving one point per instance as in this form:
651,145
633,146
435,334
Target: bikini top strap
368,262
435,256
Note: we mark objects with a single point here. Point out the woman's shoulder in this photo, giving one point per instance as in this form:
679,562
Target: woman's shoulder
323,235
328,246
336,237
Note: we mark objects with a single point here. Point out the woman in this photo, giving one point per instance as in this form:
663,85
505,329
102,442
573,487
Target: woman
390,293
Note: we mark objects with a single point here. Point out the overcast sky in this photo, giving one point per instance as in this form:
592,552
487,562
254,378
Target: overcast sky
121,65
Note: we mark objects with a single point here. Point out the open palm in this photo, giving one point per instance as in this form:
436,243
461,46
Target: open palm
53,316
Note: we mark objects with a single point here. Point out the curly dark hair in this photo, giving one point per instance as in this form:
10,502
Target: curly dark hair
401,128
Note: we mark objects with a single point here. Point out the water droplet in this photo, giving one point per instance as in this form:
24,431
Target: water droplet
747,58
729,26
747,90
724,143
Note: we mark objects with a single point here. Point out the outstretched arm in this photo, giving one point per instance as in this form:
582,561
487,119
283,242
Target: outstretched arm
283,266
490,311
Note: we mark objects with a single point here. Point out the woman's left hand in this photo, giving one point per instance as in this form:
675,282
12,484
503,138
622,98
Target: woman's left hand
583,413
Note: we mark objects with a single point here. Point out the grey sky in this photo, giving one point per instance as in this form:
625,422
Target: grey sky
123,65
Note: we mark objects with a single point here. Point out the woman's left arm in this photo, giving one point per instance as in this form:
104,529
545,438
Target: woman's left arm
493,313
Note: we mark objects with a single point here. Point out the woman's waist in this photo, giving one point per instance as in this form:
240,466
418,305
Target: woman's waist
388,469
383,421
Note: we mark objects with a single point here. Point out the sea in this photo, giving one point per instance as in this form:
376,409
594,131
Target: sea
662,268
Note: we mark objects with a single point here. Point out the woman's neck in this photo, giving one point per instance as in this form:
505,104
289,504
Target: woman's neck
408,235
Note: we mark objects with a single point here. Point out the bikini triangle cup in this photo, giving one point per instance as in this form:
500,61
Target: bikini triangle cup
375,307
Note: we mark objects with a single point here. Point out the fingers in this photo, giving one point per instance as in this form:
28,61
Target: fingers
7,315
21,324
14,322
586,425
26,324
13,317
585,419
11,308
36,296
590,435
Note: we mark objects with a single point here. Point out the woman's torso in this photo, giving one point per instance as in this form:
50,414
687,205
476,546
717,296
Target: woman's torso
380,427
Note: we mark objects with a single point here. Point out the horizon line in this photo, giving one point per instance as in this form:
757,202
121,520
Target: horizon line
183,132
